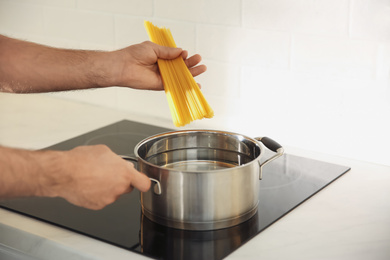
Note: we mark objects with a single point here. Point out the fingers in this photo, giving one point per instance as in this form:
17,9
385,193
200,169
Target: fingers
163,52
192,62
195,71
139,180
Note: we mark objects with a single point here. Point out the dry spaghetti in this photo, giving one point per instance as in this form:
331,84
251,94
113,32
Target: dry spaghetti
186,101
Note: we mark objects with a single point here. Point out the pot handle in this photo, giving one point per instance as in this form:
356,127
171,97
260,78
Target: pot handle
273,146
157,185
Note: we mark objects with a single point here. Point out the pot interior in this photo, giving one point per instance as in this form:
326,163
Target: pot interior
198,150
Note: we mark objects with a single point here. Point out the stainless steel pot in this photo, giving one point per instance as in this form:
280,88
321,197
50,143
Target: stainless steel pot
205,179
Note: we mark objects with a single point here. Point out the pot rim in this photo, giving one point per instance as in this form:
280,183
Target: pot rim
172,133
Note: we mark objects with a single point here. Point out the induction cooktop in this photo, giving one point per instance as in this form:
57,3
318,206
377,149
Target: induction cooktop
287,182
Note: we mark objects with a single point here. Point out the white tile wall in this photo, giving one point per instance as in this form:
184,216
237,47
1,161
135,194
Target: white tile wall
310,73
200,11
151,103
306,16
21,18
137,8
244,46
221,77
93,28
334,56
383,61
129,30
370,19
60,3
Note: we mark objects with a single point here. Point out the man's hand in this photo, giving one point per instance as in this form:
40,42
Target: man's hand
136,65
87,176
96,177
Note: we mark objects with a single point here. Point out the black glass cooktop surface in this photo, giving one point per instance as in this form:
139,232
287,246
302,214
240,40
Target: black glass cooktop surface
287,182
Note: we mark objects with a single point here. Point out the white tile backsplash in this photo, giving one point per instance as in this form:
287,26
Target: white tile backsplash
102,97
221,78
150,103
370,19
200,11
309,73
244,46
85,26
334,56
137,8
59,3
307,16
129,30
383,62
220,43
20,18
266,48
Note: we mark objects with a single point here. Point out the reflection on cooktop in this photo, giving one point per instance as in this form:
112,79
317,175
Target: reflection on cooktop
119,143
186,244
288,172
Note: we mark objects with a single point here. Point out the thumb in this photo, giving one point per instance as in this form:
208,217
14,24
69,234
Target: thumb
140,181
167,53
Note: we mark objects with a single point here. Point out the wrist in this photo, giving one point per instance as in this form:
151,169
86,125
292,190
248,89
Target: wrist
27,173
104,69
50,173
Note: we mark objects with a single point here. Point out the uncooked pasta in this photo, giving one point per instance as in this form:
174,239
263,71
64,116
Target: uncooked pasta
186,101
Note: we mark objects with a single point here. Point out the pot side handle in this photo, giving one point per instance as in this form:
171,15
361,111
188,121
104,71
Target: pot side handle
157,186
273,146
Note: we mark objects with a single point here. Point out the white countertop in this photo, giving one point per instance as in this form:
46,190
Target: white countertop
349,219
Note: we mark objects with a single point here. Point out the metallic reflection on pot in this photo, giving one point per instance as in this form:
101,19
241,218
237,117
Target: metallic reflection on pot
163,242
199,171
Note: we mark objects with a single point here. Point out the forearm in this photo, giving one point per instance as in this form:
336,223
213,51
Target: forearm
26,173
87,176
27,67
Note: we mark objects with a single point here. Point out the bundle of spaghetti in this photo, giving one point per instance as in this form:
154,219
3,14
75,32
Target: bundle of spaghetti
186,101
